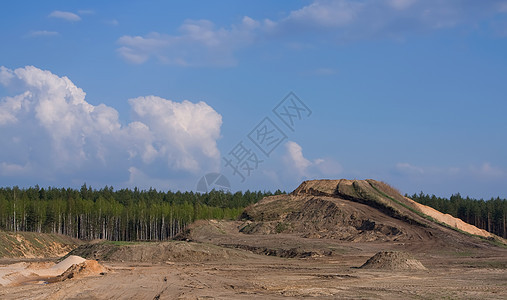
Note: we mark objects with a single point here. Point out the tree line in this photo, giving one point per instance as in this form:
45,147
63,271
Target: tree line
118,215
129,215
489,215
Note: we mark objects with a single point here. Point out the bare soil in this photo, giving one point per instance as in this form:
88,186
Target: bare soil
449,275
329,239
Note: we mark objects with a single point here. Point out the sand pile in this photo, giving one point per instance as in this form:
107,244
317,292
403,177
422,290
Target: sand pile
72,266
86,268
57,269
449,220
393,260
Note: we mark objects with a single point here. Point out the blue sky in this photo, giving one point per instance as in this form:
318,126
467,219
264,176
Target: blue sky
159,93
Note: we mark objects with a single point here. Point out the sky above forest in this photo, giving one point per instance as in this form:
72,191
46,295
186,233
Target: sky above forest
267,93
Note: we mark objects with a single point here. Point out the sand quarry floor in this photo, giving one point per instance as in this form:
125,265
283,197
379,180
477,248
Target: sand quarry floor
450,274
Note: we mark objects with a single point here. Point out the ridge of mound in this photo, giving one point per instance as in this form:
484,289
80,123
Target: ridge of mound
393,260
373,193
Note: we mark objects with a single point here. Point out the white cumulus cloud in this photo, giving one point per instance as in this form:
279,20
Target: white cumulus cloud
51,125
296,158
184,131
318,168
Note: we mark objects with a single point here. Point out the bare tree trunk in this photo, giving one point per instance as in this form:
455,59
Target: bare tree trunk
14,212
489,221
504,227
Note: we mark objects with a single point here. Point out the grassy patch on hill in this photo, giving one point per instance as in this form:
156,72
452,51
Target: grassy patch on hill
32,244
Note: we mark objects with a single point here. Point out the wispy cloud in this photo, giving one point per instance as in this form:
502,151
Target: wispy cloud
113,22
401,4
484,170
12,169
408,168
321,72
42,33
65,15
325,14
201,43
348,20
86,12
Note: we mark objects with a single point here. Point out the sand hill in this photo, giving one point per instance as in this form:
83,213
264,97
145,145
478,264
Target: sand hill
351,210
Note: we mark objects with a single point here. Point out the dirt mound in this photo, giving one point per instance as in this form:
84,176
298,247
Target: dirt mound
352,210
338,209
393,260
154,252
84,269
323,217
35,245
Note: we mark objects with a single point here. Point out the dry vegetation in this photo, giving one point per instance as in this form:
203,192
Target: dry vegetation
35,245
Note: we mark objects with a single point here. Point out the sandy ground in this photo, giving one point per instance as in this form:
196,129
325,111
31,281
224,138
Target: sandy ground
217,260
449,275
